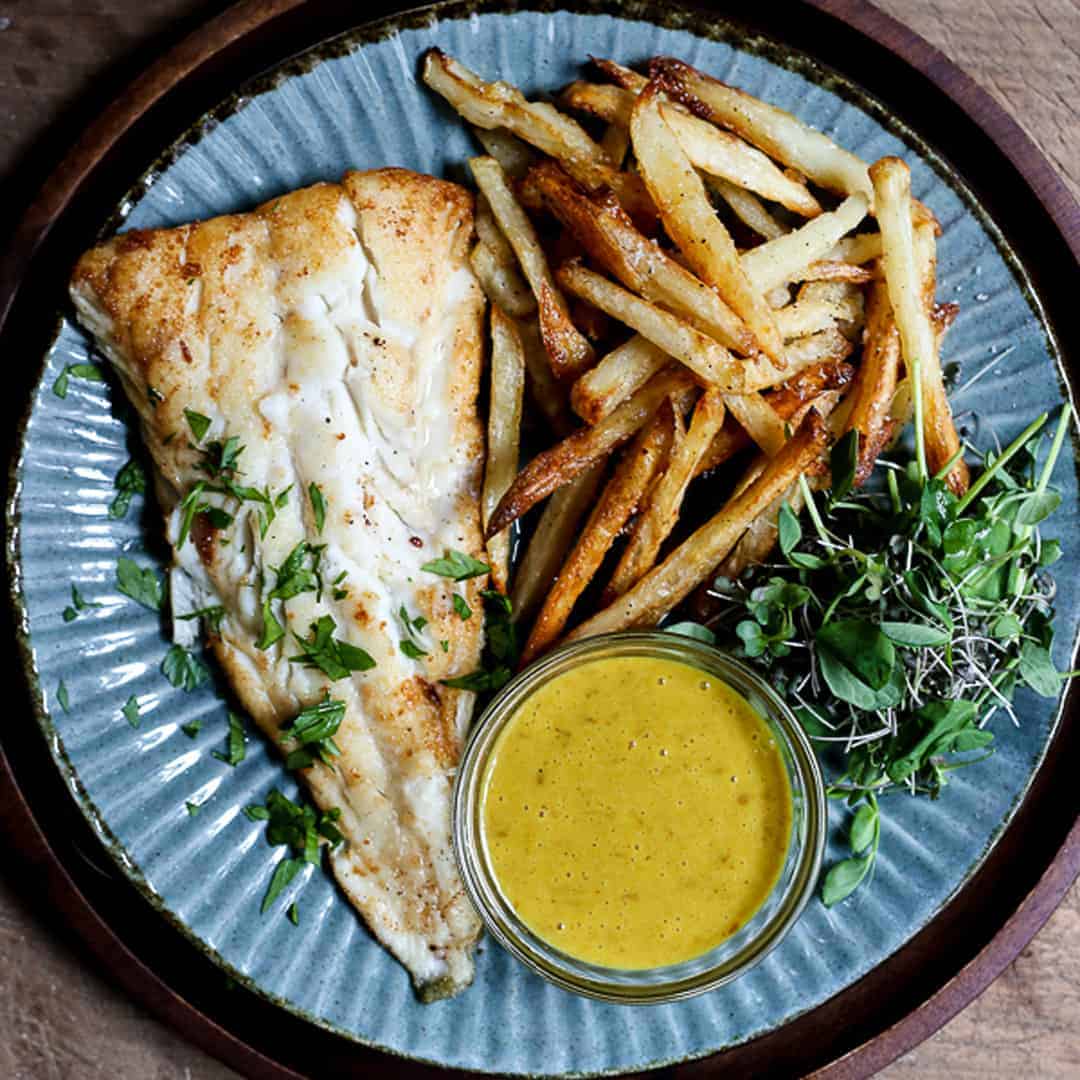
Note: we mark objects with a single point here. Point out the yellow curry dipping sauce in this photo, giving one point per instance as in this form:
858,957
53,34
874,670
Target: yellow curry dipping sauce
636,812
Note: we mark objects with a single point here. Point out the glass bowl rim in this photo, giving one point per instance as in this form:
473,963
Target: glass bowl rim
801,762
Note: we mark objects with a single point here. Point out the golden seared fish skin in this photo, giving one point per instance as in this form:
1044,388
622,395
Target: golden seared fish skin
335,335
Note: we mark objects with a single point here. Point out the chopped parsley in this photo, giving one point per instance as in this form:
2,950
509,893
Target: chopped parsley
62,696
412,650
284,872
500,649
256,813
131,711
89,372
461,607
198,423
294,914
183,669
212,615
235,743
457,566
313,731
194,505
332,656
142,584
293,578
192,729
192,808
78,605
130,481
318,505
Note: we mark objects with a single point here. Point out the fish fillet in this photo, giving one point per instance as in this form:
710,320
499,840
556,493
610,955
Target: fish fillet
336,333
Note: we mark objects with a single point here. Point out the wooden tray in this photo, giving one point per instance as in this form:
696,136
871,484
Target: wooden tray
858,1031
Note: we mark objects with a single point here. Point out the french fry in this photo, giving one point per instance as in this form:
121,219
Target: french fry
547,393
503,434
508,150
499,105
618,375
859,249
707,358
615,142
783,259
661,510
624,491
756,544
619,74
690,220
911,301
695,559
810,383
748,208
875,384
716,152
567,348
608,235
834,270
776,132
502,284
819,306
758,420
562,462
555,533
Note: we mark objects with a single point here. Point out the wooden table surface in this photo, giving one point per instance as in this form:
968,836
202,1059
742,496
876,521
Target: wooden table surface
60,60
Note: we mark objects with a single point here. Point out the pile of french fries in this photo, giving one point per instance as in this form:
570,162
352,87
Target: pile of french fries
708,277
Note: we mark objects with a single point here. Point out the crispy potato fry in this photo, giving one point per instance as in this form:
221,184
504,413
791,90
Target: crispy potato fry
756,544
758,420
560,464
661,510
716,152
785,258
570,353
834,270
875,384
609,236
695,559
819,306
555,533
618,375
624,491
859,249
785,401
912,301
707,358
619,74
690,220
747,207
500,105
547,393
503,434
501,282
778,297
776,132
508,150
489,233
616,143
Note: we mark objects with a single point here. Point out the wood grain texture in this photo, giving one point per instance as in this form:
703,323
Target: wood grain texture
60,60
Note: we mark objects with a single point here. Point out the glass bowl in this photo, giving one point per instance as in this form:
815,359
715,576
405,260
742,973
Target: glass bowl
730,958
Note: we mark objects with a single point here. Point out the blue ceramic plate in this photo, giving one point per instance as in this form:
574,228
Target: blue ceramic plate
358,105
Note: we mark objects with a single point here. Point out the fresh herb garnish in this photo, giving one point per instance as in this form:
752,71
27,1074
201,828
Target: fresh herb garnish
192,505
901,618
293,577
89,372
212,616
130,481
293,914
235,742
412,650
461,607
131,711
78,605
318,505
313,733
62,696
500,649
183,669
192,728
298,827
332,656
192,808
198,423
143,585
457,566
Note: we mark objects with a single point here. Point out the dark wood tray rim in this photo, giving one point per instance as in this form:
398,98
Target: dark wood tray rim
941,970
